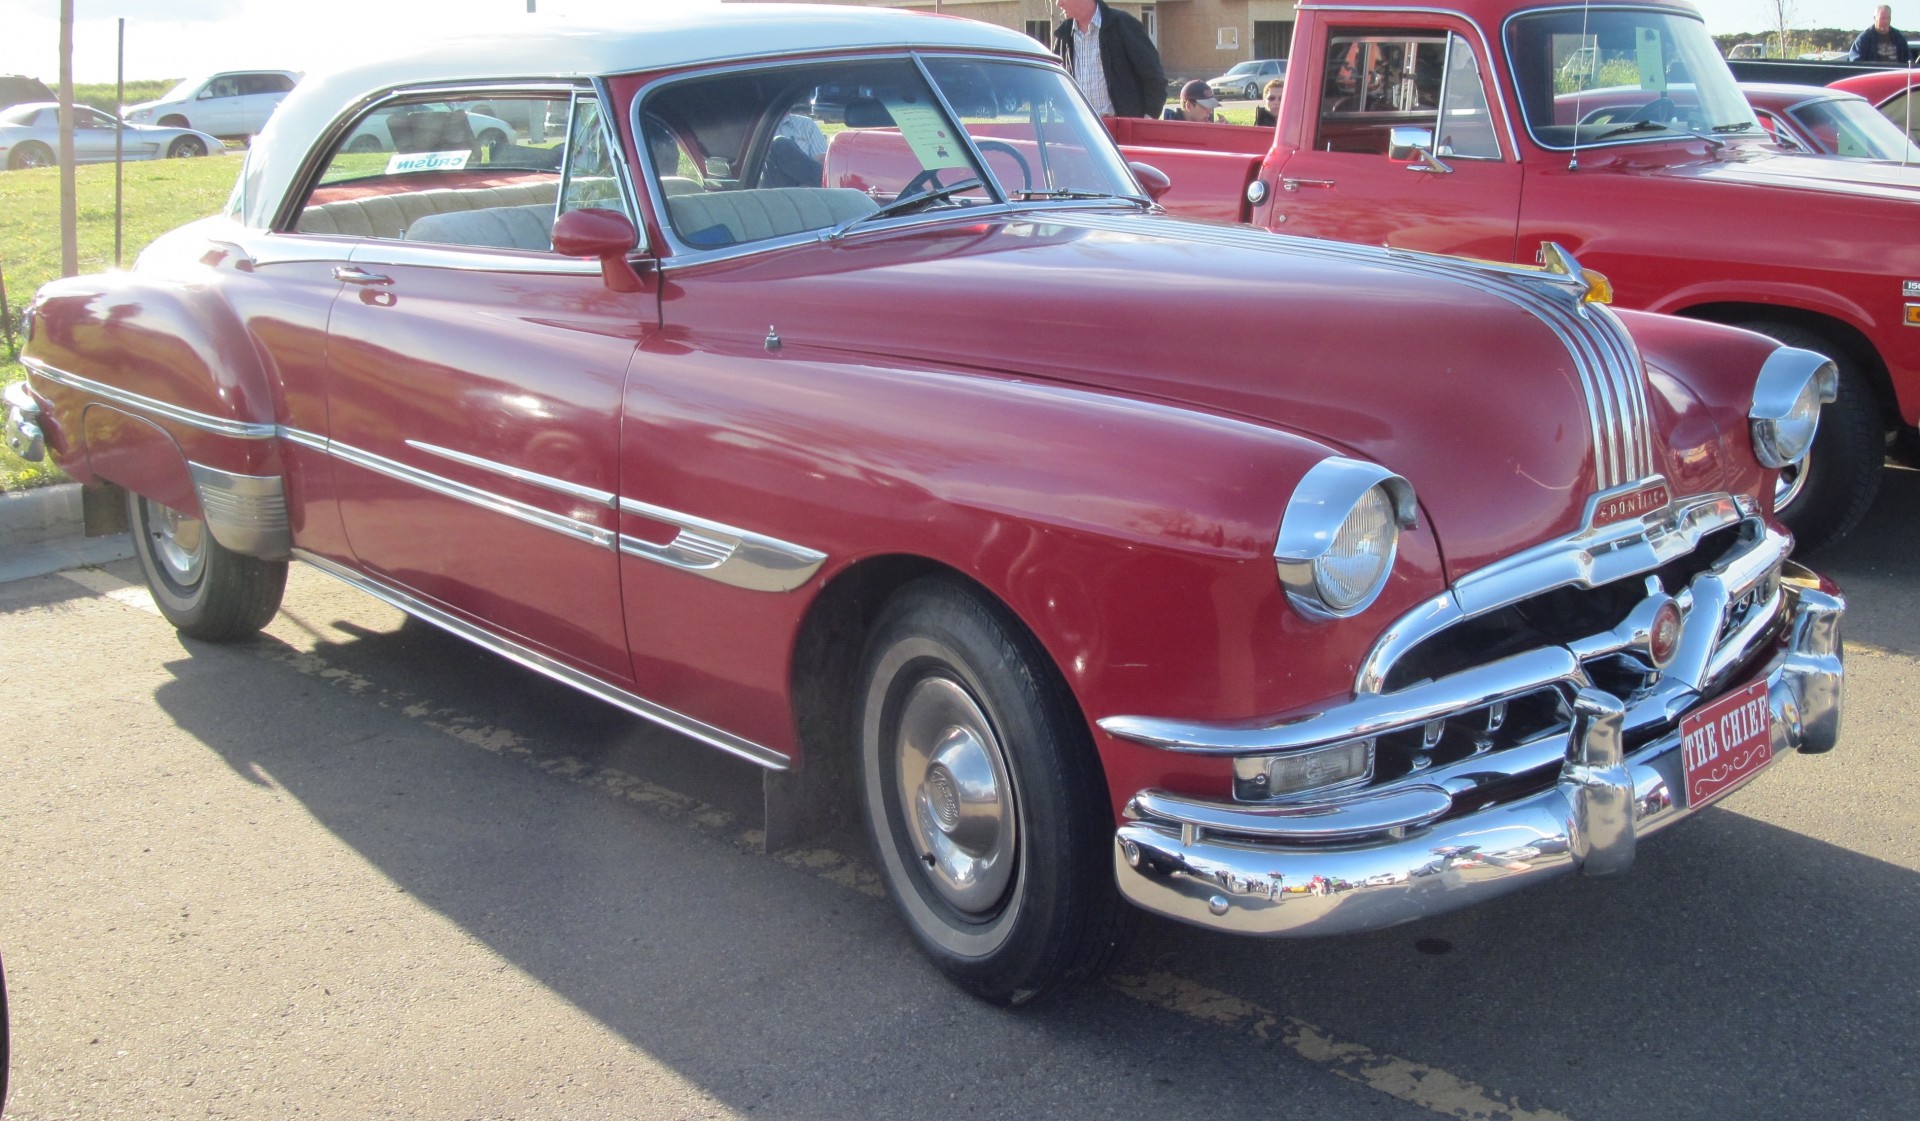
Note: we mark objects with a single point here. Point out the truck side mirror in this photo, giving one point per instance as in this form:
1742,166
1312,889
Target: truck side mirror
605,234
1414,147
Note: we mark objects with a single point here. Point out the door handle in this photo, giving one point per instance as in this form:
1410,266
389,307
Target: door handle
351,275
1296,184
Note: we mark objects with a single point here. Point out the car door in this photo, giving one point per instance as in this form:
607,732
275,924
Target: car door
473,385
216,108
1346,182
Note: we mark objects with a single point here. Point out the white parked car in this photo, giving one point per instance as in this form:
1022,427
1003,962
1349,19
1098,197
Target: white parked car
30,137
433,129
230,103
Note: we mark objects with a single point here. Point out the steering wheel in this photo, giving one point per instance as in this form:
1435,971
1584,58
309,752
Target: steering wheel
1026,173
1660,108
929,178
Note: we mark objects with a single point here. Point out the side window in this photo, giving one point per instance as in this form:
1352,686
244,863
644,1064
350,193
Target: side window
1466,124
590,177
1374,81
442,172
265,83
228,86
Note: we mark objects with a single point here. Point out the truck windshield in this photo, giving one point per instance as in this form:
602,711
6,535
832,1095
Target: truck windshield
1622,75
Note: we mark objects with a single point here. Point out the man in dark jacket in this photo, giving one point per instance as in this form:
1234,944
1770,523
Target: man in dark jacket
1881,43
1111,58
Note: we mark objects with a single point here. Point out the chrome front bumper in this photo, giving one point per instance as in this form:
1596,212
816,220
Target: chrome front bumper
1222,865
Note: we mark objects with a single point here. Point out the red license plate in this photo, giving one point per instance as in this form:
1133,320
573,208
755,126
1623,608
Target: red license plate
1726,741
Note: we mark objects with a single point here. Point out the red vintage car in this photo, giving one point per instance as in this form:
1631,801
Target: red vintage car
1891,92
1102,556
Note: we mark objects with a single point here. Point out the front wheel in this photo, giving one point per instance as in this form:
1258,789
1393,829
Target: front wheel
1827,493
187,148
984,799
203,588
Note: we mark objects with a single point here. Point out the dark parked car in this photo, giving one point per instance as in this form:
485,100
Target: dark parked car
16,88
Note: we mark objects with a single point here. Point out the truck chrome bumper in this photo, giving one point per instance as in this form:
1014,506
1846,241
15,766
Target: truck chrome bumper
1375,861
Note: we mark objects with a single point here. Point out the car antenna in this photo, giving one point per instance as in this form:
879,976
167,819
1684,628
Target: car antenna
1579,49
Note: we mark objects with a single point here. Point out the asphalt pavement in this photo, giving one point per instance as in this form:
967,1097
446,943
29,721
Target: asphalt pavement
357,868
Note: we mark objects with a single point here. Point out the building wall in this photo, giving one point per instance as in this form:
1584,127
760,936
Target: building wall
1189,32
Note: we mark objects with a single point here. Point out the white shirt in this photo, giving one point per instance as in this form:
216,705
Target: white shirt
1088,74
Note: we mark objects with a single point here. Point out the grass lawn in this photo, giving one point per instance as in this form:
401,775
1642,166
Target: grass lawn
160,195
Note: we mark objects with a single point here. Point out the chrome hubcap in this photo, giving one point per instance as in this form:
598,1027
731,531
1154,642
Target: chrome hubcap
954,785
179,543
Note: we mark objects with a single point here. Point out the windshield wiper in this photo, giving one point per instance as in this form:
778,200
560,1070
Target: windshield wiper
1637,126
1071,193
906,205
1743,126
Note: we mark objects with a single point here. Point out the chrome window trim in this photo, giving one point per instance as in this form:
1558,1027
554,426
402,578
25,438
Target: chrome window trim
1619,141
562,524
1513,142
305,178
550,667
519,474
683,255
465,258
721,552
204,422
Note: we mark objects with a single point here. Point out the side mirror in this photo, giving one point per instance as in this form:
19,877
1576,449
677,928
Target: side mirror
1152,179
607,235
1414,147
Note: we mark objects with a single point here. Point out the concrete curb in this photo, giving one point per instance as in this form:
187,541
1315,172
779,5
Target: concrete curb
41,532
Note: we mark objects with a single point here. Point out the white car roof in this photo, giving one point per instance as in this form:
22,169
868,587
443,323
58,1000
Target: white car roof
570,51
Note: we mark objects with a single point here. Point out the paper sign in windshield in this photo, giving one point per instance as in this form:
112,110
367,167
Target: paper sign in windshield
929,135
427,161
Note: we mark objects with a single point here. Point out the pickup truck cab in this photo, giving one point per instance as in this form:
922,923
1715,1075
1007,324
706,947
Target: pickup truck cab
1492,128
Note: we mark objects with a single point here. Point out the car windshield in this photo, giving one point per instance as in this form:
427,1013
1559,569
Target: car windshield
185,89
847,142
1854,129
1243,68
1591,76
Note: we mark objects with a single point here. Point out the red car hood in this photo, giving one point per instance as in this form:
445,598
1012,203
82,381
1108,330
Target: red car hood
1487,389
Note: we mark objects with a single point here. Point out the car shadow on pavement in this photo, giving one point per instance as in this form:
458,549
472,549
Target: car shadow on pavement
1740,969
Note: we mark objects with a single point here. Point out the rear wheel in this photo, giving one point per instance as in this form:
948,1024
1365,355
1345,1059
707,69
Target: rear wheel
187,148
984,800
1826,494
203,588
364,143
31,154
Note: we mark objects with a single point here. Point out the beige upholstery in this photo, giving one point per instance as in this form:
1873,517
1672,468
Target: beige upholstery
499,227
718,218
391,215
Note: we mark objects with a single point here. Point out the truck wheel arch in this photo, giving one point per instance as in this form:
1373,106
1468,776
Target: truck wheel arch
1842,334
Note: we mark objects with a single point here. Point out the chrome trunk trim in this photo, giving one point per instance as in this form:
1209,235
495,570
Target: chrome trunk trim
559,671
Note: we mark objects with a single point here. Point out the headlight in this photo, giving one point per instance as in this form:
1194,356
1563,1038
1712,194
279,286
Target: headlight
1339,536
1793,384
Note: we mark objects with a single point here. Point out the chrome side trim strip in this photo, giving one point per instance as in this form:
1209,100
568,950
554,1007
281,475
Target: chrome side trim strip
545,482
540,663
486,500
219,426
722,552
309,440
246,513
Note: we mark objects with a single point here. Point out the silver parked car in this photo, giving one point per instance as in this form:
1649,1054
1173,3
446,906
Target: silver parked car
231,103
30,137
1246,79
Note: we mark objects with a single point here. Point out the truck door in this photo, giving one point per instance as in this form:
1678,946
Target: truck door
1404,148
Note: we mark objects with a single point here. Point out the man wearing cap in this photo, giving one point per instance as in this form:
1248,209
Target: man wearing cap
1111,58
1197,103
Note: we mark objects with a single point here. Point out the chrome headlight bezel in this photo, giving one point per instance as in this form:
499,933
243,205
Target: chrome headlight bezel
1787,396
1344,512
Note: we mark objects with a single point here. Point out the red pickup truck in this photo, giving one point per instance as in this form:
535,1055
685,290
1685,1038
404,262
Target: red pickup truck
1493,127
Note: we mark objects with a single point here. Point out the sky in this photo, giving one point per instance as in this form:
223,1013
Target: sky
177,38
